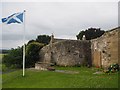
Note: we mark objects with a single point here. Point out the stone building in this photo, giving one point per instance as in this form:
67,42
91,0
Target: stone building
67,53
105,48
101,51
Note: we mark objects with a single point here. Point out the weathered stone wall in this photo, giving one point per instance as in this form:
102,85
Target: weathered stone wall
102,51
67,53
105,48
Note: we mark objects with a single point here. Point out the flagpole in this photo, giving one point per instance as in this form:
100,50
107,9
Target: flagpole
24,47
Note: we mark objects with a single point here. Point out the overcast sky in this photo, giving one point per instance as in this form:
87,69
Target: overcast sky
64,19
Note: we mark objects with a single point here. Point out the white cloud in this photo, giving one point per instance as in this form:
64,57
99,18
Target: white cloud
64,19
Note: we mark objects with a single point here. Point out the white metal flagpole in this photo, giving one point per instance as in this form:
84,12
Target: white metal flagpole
24,45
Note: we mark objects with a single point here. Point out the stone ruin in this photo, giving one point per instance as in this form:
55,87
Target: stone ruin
105,48
67,53
41,66
101,51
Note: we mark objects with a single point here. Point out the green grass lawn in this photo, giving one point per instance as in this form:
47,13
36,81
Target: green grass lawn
49,79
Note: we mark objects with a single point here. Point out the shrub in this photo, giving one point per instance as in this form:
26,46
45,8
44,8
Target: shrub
13,58
45,39
32,53
113,67
90,33
4,68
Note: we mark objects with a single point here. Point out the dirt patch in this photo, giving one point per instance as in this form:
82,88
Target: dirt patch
60,71
66,71
99,72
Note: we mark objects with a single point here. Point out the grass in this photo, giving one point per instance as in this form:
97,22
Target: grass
48,79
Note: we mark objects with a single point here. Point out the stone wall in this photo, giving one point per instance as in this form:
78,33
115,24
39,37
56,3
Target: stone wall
67,53
102,51
105,48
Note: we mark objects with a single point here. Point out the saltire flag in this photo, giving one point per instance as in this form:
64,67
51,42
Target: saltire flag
14,18
17,18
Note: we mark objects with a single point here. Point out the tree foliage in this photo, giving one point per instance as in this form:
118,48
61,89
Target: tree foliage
45,39
80,35
4,51
32,53
90,33
31,41
13,58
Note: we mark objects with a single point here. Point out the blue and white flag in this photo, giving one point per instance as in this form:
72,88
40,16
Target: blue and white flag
14,18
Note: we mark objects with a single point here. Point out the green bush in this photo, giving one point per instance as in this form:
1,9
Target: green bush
45,39
13,58
4,68
113,67
90,33
32,53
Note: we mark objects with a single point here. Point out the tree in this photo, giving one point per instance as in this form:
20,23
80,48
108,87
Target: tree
90,33
45,39
32,53
4,51
80,35
31,41
13,58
